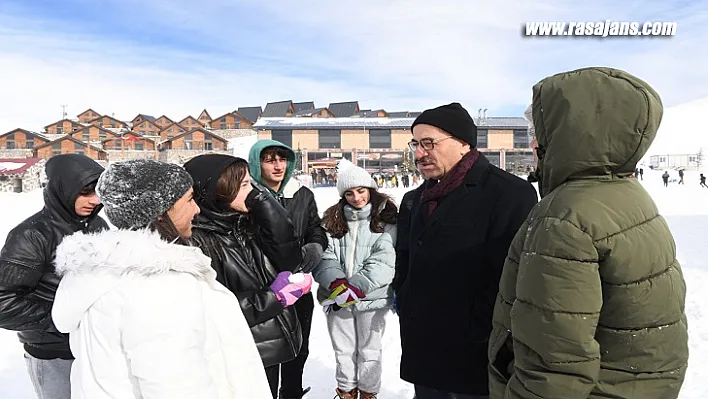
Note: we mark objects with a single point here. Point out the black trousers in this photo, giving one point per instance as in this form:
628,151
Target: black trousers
291,372
422,392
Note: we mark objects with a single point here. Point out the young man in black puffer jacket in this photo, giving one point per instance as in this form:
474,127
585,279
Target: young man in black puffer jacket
272,164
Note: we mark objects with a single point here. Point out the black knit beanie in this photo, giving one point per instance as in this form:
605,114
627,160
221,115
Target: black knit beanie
453,119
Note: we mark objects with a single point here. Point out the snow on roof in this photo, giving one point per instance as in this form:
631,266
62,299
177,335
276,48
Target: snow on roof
16,166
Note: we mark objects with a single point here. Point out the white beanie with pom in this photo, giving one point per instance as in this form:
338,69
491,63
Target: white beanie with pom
352,176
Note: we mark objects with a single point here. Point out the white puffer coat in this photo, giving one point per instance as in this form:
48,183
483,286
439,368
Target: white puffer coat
147,319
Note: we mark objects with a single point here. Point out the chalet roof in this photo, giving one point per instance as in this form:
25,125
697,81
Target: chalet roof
251,113
145,117
309,112
88,111
197,130
106,116
68,137
73,122
277,110
345,109
33,134
304,106
204,112
15,166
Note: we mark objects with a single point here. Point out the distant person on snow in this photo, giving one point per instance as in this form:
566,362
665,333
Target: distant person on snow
665,177
591,300
703,181
680,176
354,277
641,173
27,280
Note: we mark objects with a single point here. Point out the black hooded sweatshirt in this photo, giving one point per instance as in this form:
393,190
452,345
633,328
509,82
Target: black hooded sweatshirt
27,279
248,250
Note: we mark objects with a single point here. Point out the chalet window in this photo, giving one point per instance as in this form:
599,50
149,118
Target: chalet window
10,136
331,138
187,145
139,146
380,138
284,136
171,130
56,145
101,135
521,138
145,125
188,137
60,129
208,146
10,145
78,146
223,120
482,135
85,135
222,125
29,145
207,137
142,132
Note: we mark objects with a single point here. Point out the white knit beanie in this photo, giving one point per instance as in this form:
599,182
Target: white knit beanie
352,176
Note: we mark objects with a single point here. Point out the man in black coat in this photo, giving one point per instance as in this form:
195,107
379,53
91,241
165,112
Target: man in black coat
272,165
454,232
27,279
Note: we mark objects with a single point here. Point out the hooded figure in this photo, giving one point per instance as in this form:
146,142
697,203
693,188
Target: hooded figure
27,280
300,203
253,248
146,316
591,299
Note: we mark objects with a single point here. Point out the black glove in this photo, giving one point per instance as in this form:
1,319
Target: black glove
311,257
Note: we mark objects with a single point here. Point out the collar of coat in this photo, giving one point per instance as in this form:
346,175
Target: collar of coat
128,252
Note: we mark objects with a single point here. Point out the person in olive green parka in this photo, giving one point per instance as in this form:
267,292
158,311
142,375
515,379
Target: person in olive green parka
591,298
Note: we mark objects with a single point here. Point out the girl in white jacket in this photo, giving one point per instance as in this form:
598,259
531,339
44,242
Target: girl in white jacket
146,317
354,277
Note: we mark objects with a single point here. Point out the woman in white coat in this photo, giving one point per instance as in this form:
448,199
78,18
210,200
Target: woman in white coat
146,317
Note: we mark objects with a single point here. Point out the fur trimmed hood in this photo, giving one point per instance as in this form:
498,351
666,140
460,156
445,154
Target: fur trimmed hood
92,265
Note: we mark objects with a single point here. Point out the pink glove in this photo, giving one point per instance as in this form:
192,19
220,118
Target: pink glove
288,287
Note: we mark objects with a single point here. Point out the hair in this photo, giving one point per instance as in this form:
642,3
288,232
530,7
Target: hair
229,184
89,188
275,151
336,224
166,229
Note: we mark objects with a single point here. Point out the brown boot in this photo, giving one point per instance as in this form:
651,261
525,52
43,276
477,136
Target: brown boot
353,394
367,395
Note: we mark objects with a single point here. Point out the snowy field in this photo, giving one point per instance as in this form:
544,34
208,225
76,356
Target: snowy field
685,207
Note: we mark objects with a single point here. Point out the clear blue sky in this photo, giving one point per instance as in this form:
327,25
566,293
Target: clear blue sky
180,56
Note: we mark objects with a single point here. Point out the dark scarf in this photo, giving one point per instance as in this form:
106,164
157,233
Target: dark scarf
431,196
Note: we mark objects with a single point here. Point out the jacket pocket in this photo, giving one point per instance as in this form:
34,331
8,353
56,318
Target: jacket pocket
501,354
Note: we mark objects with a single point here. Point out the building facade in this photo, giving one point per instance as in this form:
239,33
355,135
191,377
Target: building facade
20,175
675,161
380,144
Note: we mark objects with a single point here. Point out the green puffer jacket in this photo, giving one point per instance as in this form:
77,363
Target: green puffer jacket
591,299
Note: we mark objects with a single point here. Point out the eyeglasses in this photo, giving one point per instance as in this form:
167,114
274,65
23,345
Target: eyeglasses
427,143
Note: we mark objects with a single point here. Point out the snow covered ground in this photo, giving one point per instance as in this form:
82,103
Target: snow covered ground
685,207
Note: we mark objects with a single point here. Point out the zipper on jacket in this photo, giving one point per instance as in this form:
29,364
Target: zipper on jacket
349,262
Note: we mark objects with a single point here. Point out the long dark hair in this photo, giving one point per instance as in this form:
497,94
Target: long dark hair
166,229
336,224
